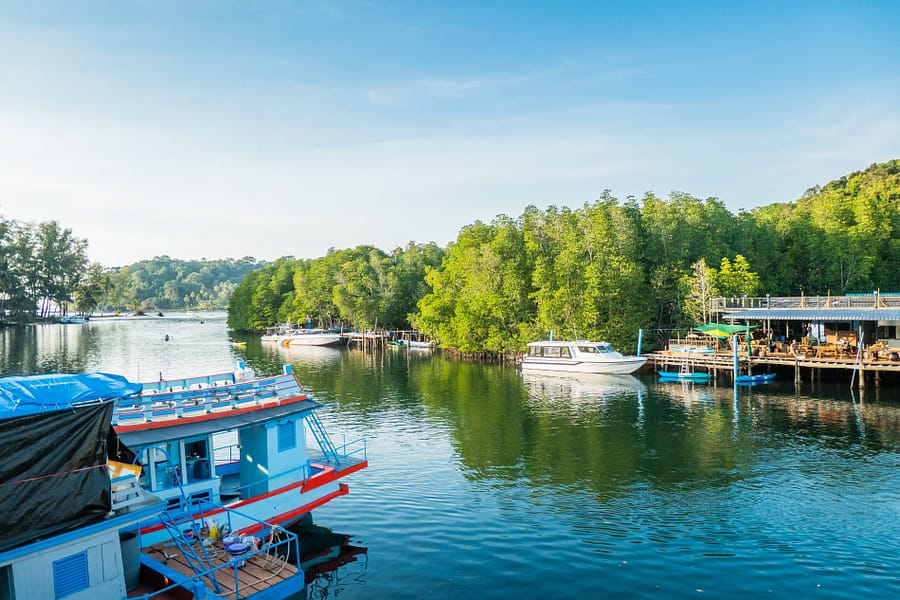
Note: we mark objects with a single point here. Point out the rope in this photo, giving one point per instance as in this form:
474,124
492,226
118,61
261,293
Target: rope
60,474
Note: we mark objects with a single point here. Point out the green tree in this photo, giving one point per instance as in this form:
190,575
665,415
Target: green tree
735,279
699,287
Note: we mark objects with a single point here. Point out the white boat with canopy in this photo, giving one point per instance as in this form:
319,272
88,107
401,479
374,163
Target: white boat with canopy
579,356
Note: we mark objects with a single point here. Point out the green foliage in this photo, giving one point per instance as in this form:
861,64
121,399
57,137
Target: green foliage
841,237
164,283
697,289
42,265
362,287
735,278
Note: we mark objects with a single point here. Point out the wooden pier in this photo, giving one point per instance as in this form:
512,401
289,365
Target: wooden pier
365,340
808,366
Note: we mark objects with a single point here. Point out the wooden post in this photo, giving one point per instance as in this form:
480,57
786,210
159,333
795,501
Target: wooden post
797,371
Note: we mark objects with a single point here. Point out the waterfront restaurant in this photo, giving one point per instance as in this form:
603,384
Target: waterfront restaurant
858,335
867,325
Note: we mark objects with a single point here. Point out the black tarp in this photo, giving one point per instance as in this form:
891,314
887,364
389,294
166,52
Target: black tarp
53,474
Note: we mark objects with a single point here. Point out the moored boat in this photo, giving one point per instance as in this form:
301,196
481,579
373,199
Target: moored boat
242,443
750,379
72,515
691,349
310,337
684,376
421,345
73,320
579,356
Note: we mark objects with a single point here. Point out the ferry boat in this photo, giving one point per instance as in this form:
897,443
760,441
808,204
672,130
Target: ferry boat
240,442
72,513
579,356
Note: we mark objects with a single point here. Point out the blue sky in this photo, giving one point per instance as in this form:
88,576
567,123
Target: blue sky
266,129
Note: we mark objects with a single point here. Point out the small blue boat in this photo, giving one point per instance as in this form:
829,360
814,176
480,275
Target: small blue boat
764,378
683,376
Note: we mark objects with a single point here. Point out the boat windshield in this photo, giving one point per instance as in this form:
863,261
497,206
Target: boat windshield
549,351
595,349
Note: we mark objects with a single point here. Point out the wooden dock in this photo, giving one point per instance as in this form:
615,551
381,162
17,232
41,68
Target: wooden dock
722,363
365,340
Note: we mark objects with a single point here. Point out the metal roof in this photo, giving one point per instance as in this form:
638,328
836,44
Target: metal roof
145,437
816,314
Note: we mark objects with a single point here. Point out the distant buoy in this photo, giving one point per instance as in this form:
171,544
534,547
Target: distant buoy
167,337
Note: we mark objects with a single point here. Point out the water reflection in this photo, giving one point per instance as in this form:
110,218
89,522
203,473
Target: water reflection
329,560
641,489
314,356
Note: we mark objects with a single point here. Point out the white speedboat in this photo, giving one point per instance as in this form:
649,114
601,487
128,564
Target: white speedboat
310,337
579,356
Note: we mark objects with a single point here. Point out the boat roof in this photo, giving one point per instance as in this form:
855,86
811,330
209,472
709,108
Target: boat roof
153,435
32,394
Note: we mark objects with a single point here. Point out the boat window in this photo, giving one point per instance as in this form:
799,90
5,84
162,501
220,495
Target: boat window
535,351
587,349
551,351
564,353
197,459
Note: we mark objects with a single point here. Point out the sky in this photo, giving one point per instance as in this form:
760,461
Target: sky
225,129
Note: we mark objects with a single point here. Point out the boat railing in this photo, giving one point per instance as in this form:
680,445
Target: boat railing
168,385
353,449
277,546
202,400
347,453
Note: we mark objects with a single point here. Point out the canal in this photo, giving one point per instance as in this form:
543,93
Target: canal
487,483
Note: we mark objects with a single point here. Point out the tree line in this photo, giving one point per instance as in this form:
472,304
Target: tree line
602,271
45,272
363,287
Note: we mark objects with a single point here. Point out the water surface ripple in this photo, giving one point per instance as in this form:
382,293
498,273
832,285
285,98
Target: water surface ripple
486,483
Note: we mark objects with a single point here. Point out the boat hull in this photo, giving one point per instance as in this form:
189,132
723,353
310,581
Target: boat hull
756,378
324,339
624,366
673,376
691,349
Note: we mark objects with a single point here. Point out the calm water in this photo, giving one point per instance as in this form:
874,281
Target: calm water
485,483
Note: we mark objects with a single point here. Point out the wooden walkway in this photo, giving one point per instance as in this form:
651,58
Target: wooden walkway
724,362
259,573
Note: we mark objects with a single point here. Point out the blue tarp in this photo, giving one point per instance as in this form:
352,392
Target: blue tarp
33,394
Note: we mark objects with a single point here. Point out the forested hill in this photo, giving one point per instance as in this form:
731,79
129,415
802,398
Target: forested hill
167,283
601,271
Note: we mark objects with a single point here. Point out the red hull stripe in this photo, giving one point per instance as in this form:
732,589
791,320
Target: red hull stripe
293,515
206,417
312,483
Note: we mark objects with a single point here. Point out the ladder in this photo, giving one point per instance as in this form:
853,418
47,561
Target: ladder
318,431
200,566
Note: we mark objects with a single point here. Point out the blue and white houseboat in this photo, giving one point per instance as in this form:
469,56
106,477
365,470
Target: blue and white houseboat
235,441
199,510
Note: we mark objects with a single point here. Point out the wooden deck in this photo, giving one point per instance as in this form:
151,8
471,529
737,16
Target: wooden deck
821,358
259,572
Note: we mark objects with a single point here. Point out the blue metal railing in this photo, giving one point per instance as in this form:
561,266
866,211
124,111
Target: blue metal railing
276,542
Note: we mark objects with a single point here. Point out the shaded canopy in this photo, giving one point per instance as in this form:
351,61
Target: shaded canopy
722,330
